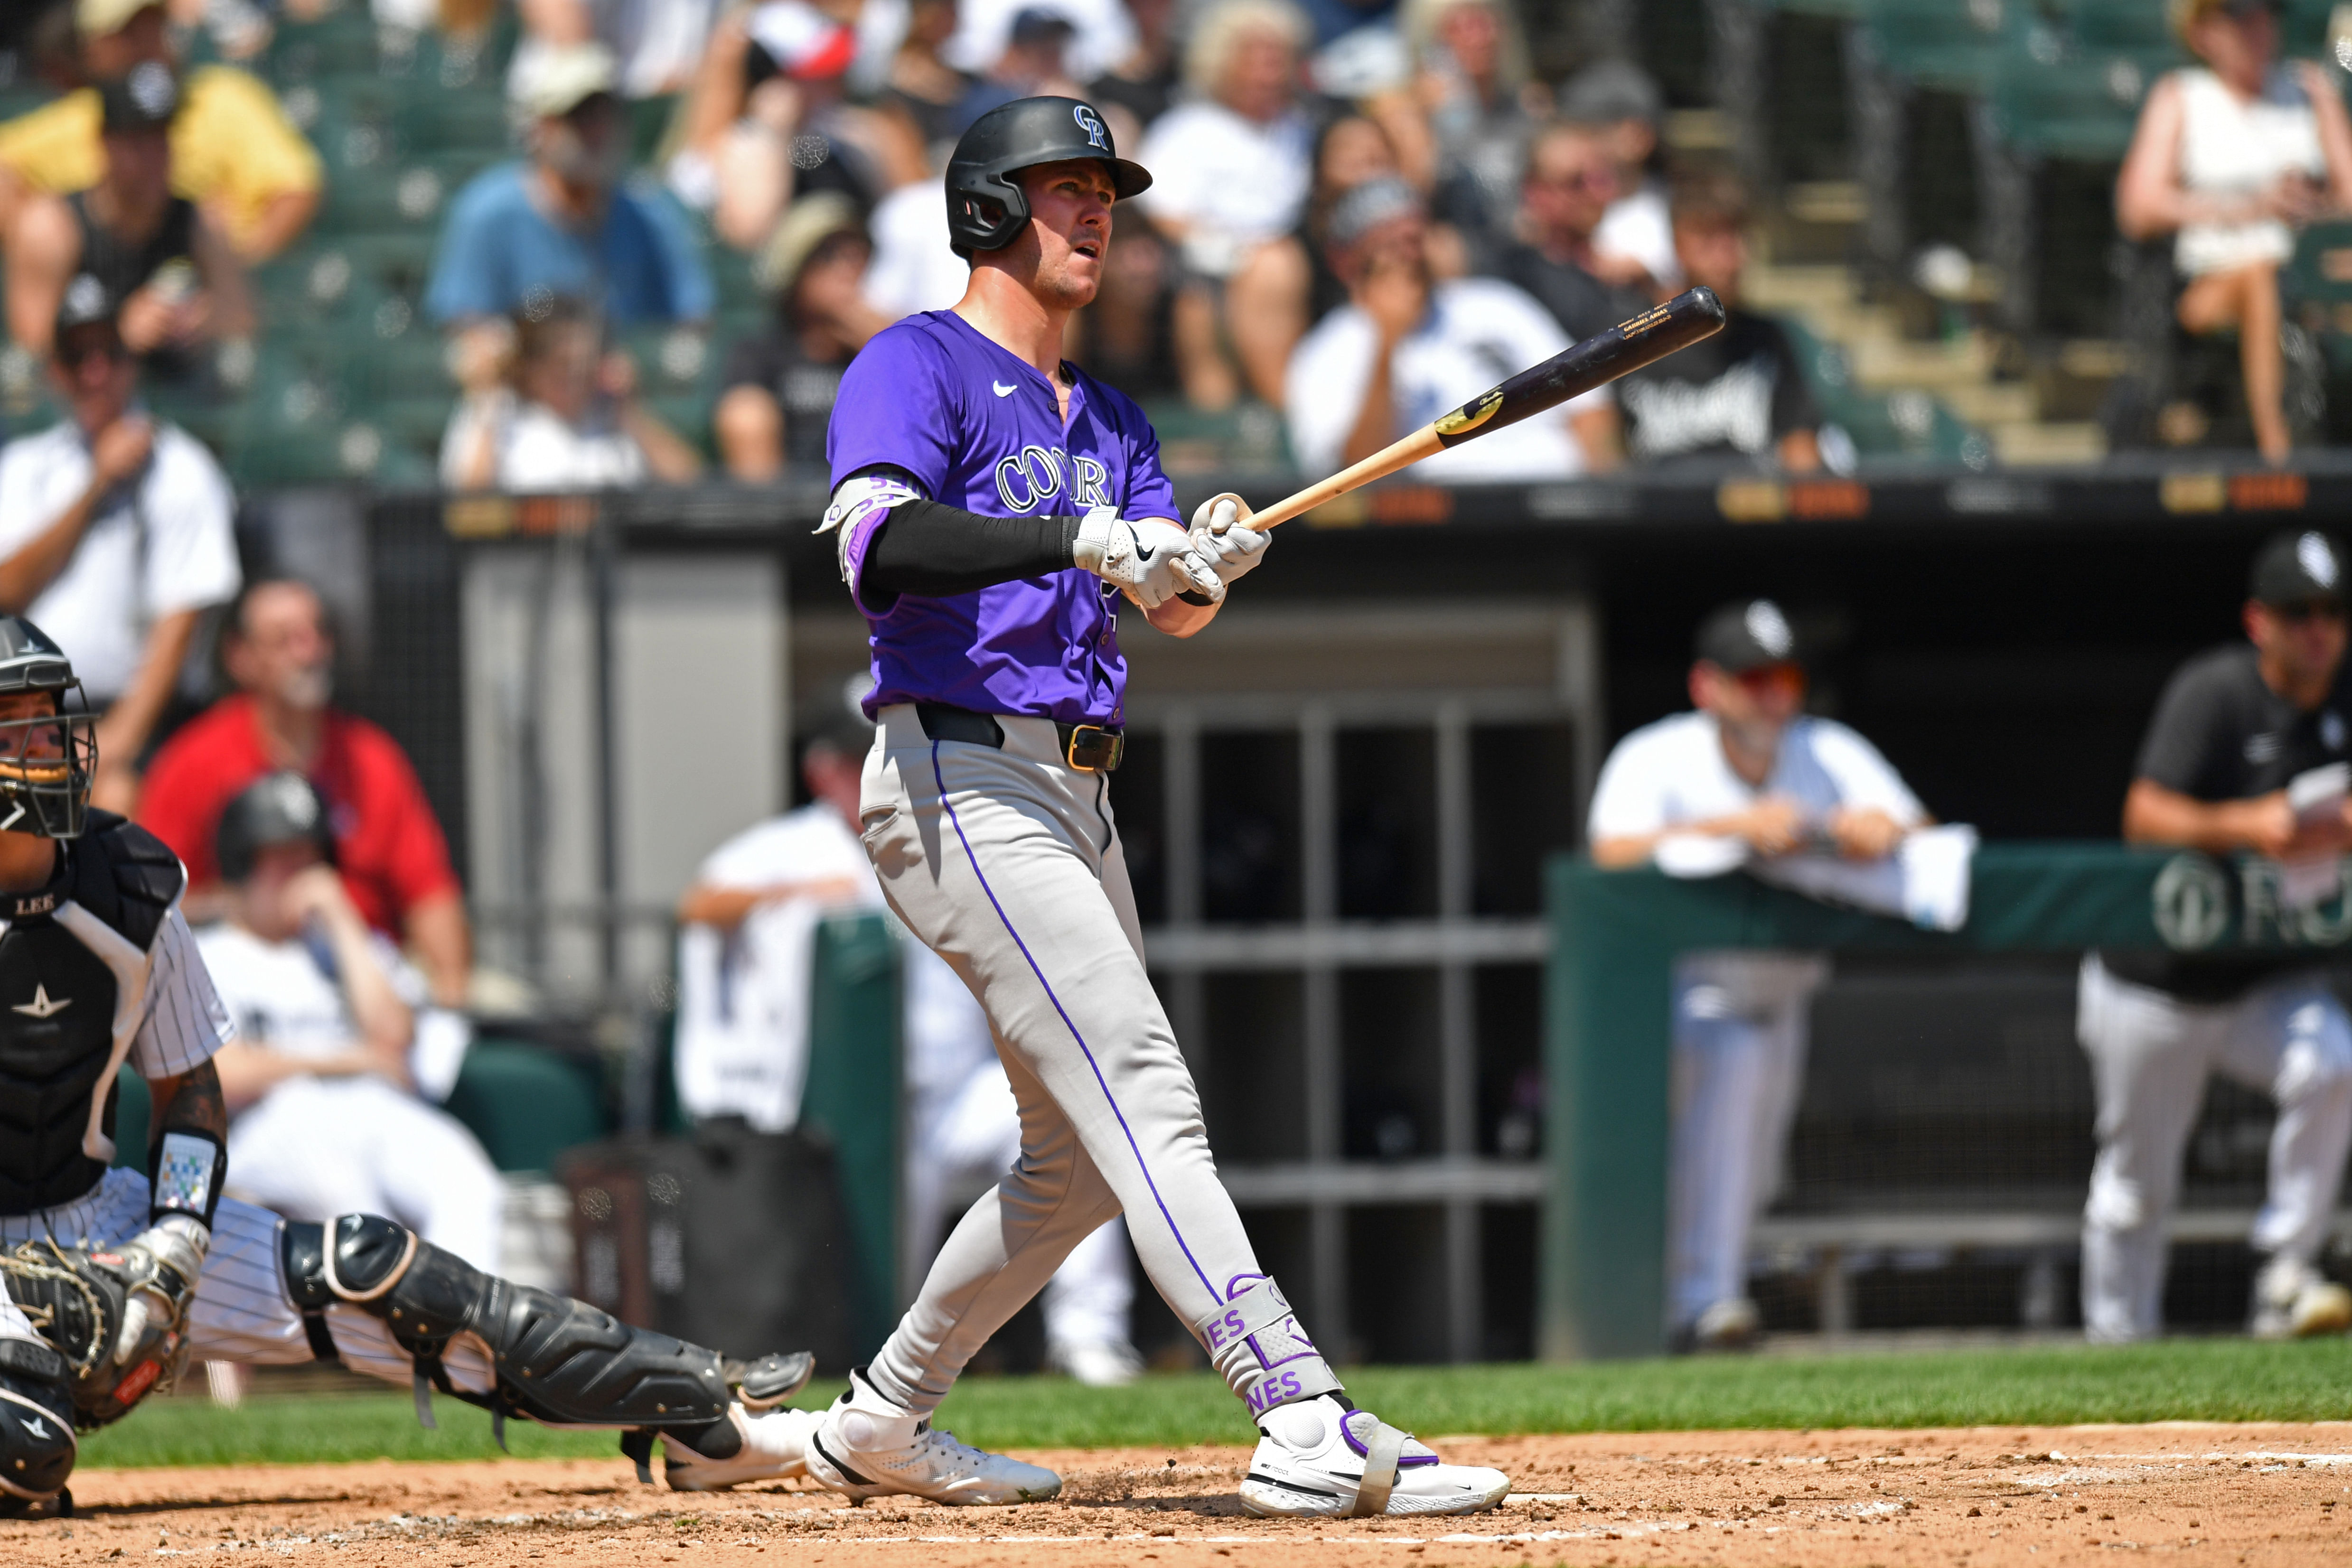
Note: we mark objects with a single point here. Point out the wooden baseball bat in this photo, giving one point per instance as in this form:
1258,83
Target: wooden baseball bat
1693,314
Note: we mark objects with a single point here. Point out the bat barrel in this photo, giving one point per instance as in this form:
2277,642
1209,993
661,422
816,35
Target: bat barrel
1689,317
1625,347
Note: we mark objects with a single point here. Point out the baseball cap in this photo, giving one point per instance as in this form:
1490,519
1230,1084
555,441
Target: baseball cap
96,19
1606,93
559,77
2298,566
806,44
86,302
282,808
145,100
1039,23
1370,204
807,224
1746,636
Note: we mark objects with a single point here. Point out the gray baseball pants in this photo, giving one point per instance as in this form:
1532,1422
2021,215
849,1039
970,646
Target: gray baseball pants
1006,863
2150,1053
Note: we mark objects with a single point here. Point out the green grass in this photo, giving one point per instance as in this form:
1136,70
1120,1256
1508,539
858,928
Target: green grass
2181,1380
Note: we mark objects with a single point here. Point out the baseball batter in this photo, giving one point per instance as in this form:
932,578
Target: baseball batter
110,1281
994,506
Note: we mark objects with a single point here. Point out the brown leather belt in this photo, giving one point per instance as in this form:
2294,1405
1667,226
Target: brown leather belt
1089,748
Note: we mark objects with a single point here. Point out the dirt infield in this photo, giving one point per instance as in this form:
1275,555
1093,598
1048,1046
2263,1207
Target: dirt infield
2196,1493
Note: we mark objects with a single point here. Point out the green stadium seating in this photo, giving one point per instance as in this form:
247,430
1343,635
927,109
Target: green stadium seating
527,1104
2082,109
1901,423
2316,287
1954,45
344,41
2136,27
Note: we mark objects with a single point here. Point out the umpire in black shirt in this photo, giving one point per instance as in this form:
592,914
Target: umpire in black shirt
2234,729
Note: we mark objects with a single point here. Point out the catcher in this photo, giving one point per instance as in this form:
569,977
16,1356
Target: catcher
113,1280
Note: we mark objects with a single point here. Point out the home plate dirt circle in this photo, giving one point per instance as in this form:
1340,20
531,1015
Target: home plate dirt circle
2193,1492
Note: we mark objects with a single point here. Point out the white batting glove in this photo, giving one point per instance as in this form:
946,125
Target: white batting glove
1151,560
1220,538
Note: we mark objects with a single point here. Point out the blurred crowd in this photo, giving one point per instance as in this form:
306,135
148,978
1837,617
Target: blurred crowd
1364,211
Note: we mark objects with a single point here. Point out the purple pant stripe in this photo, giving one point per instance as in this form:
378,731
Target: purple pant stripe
957,824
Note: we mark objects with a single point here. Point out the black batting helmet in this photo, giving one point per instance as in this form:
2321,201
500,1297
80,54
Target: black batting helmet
281,808
985,207
45,760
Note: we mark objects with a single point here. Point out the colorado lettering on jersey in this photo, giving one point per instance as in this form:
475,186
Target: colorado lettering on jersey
1033,474
921,401
1029,476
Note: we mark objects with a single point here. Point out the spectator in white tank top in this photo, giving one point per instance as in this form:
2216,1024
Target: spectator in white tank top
2233,157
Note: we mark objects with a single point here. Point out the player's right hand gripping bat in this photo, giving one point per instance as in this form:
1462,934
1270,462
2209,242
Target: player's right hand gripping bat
1625,347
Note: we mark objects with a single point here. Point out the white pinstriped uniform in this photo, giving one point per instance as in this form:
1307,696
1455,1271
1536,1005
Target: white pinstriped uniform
241,1311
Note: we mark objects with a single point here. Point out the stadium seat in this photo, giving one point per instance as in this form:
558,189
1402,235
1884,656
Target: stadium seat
525,1105
1955,45
2079,108
1897,423
344,41
2136,27
2316,286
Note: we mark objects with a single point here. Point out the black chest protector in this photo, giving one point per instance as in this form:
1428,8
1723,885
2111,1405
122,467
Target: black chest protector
56,1007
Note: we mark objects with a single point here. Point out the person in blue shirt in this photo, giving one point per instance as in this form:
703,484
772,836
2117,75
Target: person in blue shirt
563,222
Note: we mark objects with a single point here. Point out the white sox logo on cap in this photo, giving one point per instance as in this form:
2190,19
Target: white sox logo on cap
1091,123
1769,628
2318,562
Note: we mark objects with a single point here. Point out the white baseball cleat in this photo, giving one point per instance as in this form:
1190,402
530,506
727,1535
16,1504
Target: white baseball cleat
1097,1363
775,1448
2294,1300
1318,1460
868,1446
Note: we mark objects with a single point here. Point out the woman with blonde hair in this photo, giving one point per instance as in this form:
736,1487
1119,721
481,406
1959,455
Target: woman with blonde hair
2231,157
1231,167
1471,105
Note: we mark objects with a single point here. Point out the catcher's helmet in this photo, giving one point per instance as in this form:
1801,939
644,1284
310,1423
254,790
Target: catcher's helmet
985,208
281,808
45,760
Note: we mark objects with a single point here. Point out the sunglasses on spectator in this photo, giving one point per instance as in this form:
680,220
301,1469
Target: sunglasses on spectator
1579,180
2309,610
1765,679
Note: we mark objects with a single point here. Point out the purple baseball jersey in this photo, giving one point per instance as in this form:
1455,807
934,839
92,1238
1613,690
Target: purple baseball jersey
978,429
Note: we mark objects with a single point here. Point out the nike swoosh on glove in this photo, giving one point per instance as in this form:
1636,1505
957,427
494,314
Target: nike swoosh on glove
1151,560
1176,566
1220,538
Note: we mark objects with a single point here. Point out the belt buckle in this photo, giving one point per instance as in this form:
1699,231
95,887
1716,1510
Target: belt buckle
1108,747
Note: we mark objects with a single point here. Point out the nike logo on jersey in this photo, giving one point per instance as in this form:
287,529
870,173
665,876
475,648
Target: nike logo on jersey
1001,390
40,1007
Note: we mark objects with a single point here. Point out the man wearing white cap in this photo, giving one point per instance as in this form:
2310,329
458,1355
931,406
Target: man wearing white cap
1746,764
565,220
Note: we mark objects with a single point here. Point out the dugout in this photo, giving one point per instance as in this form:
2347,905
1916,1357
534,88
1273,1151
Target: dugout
1341,801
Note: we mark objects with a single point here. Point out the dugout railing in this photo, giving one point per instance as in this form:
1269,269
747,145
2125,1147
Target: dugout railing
1615,935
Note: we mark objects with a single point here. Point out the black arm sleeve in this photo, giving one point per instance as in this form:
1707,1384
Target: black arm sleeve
935,550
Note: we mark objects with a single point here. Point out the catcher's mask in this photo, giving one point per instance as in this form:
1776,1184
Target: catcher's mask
49,748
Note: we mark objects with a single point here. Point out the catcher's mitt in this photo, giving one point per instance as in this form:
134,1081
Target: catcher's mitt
81,1302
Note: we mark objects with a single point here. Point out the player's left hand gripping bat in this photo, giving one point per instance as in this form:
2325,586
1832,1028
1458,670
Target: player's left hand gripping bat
1625,347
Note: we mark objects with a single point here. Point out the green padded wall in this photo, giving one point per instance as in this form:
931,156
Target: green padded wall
852,1098
1614,936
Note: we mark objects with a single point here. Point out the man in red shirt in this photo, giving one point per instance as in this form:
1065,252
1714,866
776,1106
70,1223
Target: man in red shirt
388,846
